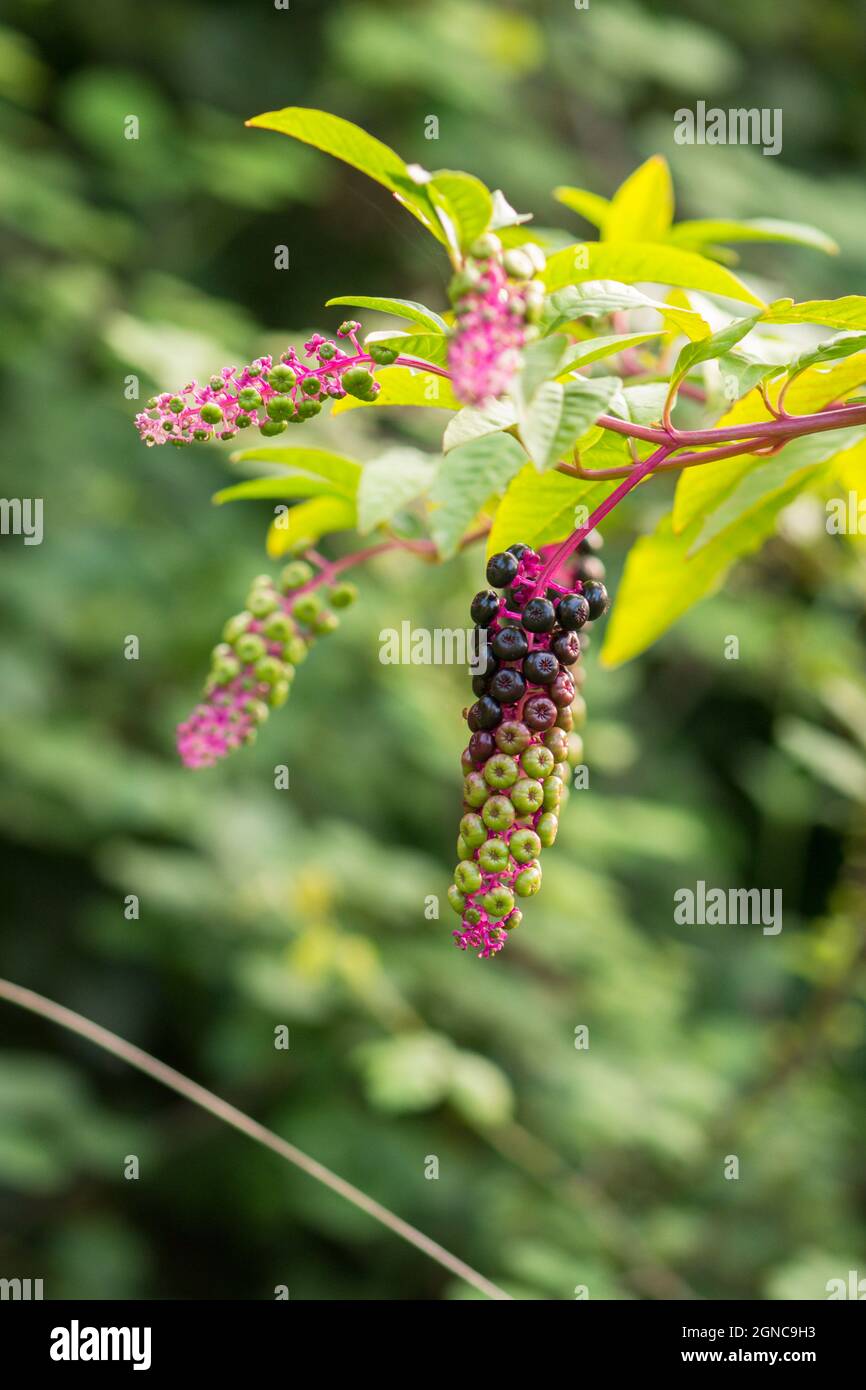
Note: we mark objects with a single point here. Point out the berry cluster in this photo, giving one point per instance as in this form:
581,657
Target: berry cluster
252,669
268,394
517,764
496,298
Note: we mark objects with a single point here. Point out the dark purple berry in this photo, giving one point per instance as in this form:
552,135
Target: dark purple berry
510,644
541,668
562,690
502,569
539,713
484,714
592,541
572,612
480,684
467,762
539,615
566,647
482,746
596,596
508,686
519,550
485,663
484,607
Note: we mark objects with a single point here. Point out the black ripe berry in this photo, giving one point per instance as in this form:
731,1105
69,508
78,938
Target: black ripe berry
566,647
510,644
539,615
591,542
539,713
573,611
485,662
480,684
596,596
541,668
484,714
482,746
502,569
518,550
508,686
484,607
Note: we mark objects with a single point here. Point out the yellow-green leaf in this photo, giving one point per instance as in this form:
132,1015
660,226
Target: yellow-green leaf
400,308
637,261
701,231
341,471
592,298
537,510
642,208
589,205
405,386
468,477
308,521
463,204
847,312
286,485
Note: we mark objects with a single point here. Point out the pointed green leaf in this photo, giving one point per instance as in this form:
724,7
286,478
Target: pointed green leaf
308,522
644,261
473,422
847,312
557,415
642,208
348,142
538,510
845,345
463,204
286,485
741,373
708,348
390,482
431,347
594,298
469,476
400,308
594,349
343,472
700,231
588,205
404,386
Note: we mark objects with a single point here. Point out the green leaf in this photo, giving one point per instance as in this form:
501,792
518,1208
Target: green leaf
640,261
400,308
540,362
745,372
480,1090
432,347
473,422
343,472
588,205
714,346
784,474
845,345
279,485
404,386
391,481
642,208
463,204
700,231
557,415
593,298
348,142
308,522
538,510
594,349
642,404
847,312
469,476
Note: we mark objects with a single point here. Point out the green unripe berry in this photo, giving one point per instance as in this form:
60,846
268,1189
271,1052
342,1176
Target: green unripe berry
466,280
295,650
513,920
546,828
225,670
512,736
524,845
270,428
456,899
257,710
243,422
485,246
261,602
278,627
473,916
325,623
463,850
518,265
473,830
343,595
537,761
348,326
211,413
527,796
279,693
493,856
498,813
467,876
326,352
498,902
500,771
528,881
236,625
249,398
552,794
383,356
269,669
310,386
557,741
357,381
280,408
295,575
282,378
250,647
306,609
475,790
562,772
307,409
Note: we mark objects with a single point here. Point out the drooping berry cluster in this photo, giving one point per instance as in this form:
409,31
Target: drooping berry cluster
517,763
268,394
253,668
496,298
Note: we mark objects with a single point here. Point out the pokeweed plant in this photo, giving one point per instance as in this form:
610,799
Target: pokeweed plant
568,388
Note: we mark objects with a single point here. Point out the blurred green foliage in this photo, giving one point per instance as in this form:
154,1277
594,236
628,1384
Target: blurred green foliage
558,1167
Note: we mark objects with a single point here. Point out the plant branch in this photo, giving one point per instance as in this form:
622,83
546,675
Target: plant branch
222,1110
